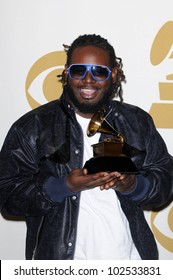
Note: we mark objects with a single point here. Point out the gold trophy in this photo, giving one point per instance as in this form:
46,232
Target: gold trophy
108,155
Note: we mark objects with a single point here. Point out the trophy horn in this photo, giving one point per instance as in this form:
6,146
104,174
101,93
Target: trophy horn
98,123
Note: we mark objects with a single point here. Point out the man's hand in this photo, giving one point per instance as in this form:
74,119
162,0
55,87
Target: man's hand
124,183
79,180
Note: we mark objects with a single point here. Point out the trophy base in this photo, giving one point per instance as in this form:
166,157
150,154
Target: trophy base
121,164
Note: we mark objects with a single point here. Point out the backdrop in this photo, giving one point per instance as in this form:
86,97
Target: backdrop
31,54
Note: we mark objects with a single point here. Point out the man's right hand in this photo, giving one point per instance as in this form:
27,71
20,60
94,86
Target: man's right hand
79,180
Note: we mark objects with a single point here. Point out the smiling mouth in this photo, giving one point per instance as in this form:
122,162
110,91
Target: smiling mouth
88,93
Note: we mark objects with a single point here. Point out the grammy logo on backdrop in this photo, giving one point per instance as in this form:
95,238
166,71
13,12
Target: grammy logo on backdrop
108,155
161,52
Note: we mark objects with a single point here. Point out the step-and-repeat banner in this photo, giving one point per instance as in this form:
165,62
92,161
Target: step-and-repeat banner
32,33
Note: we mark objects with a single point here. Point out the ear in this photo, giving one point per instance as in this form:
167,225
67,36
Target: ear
114,74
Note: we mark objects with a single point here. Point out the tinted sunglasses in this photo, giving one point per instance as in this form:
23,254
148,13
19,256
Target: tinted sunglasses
99,73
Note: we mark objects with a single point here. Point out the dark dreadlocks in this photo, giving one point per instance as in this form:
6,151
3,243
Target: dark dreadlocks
99,42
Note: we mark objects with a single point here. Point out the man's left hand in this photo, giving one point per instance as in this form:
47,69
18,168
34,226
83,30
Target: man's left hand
122,183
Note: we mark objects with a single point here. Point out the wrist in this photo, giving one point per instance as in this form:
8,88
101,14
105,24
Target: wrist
127,185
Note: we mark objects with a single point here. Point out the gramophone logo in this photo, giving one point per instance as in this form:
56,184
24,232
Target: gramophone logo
162,113
162,55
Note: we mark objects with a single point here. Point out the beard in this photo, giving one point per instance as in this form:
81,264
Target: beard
85,107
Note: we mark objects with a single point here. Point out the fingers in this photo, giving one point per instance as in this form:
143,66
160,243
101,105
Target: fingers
79,180
101,178
123,182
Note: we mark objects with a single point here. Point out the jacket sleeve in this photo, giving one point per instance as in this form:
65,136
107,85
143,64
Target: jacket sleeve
22,177
154,185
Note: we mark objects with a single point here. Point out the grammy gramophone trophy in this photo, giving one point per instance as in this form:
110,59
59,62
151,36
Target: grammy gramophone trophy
108,155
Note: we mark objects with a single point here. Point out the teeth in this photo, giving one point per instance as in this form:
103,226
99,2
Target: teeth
87,90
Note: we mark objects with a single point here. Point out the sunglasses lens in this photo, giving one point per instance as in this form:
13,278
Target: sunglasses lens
77,71
99,72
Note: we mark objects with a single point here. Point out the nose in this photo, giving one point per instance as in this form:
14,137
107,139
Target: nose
88,77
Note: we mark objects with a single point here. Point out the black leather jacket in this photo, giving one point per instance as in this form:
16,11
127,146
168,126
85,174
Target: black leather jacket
48,143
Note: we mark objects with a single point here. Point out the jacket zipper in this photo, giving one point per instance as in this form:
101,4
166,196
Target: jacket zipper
37,238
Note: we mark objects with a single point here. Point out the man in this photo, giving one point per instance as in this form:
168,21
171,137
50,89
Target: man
71,214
